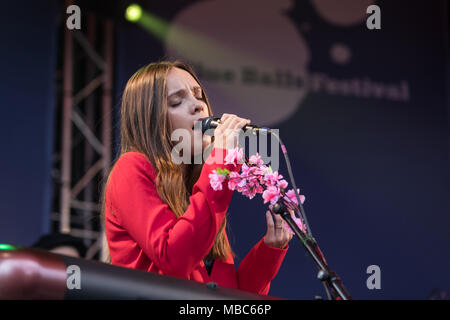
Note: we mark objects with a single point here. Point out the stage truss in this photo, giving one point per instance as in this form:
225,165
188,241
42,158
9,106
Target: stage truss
83,145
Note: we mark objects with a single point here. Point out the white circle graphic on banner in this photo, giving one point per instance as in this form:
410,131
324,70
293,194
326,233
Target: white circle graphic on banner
340,53
248,54
342,12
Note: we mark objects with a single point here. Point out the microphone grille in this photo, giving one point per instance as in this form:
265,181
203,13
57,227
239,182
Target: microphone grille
209,123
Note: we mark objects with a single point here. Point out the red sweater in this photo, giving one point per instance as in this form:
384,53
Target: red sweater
143,233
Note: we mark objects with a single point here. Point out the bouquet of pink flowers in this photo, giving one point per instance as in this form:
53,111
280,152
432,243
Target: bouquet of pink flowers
255,177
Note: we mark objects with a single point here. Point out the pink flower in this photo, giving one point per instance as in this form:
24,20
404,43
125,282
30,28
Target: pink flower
235,181
282,184
249,192
271,194
262,171
272,178
256,160
245,170
291,196
254,178
216,179
298,222
259,189
268,179
234,156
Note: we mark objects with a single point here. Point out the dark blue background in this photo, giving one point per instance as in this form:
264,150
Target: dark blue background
27,67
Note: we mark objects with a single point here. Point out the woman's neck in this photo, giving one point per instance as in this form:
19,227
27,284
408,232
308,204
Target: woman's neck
184,170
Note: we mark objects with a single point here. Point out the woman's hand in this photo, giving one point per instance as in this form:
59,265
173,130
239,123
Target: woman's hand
277,236
226,135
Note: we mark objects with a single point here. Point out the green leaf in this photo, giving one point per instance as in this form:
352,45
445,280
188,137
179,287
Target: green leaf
223,172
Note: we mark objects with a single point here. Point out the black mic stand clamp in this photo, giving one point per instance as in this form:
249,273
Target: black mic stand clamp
330,279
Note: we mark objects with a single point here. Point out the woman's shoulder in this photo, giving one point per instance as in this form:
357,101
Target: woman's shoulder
132,156
130,172
132,162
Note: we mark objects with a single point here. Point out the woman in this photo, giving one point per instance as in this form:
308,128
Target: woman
164,217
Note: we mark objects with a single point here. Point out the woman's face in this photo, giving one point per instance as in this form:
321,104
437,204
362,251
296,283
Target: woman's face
186,106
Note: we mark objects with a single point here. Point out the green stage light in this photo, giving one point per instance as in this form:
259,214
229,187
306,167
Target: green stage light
4,246
133,12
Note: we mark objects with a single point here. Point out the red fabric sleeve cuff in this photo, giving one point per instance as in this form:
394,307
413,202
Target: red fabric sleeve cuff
270,257
273,251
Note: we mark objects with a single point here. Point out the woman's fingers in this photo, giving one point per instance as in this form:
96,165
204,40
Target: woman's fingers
224,117
227,132
270,224
277,236
279,229
284,236
290,235
232,122
240,123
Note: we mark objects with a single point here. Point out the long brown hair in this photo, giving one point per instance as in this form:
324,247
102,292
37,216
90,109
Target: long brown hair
145,128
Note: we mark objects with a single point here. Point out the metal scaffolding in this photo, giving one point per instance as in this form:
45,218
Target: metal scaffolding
84,158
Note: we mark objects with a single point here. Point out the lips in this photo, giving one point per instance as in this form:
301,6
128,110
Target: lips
199,126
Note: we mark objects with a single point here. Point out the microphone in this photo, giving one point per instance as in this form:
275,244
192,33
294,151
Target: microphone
213,122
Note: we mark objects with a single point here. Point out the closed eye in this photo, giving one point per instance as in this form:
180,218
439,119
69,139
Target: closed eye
196,91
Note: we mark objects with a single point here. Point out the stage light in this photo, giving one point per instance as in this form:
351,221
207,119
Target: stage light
133,13
182,37
5,247
146,20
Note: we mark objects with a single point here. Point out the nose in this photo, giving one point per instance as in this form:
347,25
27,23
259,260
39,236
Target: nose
197,106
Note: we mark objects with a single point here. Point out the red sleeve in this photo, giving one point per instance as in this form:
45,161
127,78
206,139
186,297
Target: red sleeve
175,245
259,267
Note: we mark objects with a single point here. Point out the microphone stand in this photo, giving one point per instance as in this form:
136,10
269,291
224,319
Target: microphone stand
329,278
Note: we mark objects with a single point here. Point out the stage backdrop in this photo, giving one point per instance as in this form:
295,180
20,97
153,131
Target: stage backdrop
363,114
27,60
